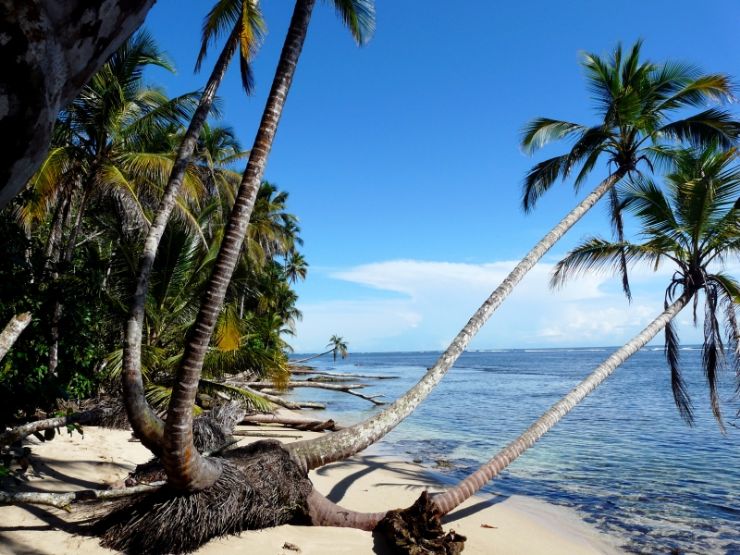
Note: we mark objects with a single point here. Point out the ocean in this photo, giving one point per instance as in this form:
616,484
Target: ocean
623,458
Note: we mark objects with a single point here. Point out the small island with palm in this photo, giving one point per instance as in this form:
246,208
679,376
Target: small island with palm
166,379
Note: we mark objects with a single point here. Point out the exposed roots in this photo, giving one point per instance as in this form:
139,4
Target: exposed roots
418,531
260,486
210,432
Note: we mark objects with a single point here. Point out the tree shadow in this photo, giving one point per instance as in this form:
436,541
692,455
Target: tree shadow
463,512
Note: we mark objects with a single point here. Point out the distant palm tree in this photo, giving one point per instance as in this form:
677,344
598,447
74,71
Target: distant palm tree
634,99
694,225
338,347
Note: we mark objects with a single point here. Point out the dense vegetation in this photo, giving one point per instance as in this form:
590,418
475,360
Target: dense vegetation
71,240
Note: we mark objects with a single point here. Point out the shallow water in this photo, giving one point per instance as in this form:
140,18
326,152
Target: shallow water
623,458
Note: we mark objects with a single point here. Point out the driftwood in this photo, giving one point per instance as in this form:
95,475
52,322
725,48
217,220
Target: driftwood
344,388
341,374
12,331
241,433
64,500
11,436
297,422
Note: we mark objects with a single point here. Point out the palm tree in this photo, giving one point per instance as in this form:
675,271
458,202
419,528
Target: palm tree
247,27
186,469
338,346
103,151
634,99
694,226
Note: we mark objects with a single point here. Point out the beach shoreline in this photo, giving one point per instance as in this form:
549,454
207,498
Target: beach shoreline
368,482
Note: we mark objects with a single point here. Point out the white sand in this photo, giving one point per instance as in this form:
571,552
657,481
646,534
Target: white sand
519,525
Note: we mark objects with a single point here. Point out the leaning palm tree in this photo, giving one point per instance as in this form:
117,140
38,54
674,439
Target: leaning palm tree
359,15
635,100
694,226
337,346
186,469
244,20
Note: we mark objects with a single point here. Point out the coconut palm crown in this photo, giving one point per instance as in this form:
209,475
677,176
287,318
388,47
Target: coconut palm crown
695,224
634,100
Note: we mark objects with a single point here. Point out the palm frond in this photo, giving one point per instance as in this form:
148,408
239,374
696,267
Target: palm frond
709,127
678,385
359,17
542,131
713,353
252,399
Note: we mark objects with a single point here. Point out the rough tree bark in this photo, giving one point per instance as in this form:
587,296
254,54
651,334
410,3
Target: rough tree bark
12,331
145,422
48,52
186,468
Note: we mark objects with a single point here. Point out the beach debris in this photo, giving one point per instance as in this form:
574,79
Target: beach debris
291,547
484,525
418,531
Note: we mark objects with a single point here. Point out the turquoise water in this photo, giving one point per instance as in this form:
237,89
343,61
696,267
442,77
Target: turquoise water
623,458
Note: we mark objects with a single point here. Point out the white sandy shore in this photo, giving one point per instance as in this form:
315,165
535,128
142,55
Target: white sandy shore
514,525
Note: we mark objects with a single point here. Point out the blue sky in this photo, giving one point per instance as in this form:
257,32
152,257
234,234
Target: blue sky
403,165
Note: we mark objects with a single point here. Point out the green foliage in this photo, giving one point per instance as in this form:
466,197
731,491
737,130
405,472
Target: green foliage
693,224
70,245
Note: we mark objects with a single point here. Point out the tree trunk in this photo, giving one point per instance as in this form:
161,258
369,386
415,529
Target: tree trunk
453,497
325,513
317,452
56,47
66,254
18,433
186,469
12,331
311,357
145,422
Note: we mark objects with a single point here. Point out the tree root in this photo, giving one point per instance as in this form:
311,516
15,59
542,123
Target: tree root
260,487
418,531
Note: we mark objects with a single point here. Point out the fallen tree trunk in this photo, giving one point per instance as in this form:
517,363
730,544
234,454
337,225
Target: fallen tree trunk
343,374
16,434
279,400
64,500
344,388
12,331
297,422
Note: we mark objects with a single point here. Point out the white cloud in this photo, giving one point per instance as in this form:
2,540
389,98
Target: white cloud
437,298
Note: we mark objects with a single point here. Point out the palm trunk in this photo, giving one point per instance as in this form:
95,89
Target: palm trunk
325,513
469,486
317,452
145,422
186,468
311,357
12,331
66,253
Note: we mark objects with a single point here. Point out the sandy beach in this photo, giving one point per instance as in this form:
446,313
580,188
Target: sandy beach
513,525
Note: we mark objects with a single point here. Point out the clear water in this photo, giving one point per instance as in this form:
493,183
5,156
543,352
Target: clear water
623,458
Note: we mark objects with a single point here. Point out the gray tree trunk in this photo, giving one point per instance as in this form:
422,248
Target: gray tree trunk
317,452
12,331
48,52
